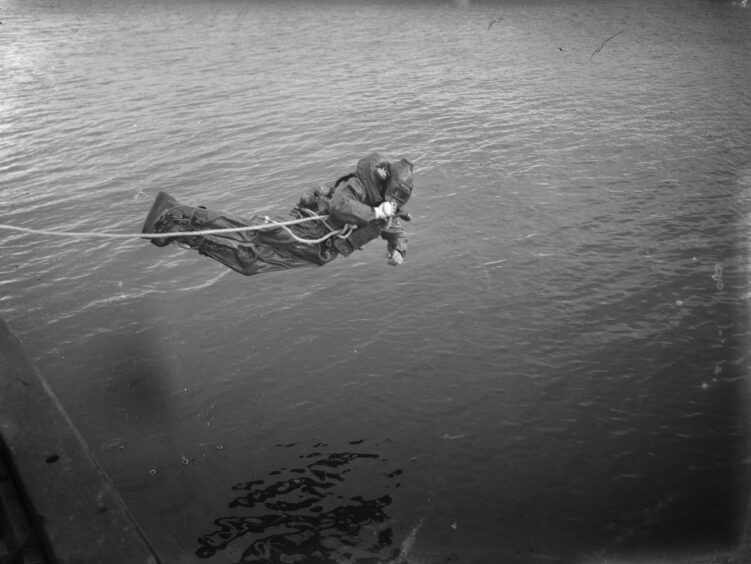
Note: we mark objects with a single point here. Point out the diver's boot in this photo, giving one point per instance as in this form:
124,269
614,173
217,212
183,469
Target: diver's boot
158,220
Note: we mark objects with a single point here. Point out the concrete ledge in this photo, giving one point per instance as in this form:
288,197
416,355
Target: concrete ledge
70,501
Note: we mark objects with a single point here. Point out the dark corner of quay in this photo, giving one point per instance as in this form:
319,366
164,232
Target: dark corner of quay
56,503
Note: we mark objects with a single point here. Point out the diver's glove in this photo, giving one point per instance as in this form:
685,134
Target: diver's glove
395,258
385,210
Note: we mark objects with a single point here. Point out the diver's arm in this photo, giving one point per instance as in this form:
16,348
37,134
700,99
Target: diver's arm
396,237
347,206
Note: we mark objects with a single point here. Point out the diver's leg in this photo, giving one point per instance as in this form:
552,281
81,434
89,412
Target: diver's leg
247,252
235,250
167,215
162,204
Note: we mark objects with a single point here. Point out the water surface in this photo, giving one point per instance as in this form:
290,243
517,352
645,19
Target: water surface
557,372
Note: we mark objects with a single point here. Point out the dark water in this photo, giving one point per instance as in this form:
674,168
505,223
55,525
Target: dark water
556,374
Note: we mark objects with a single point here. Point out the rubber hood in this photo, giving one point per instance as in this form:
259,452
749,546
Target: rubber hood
367,172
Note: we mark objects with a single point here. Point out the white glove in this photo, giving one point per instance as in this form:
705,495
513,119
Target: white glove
395,258
385,210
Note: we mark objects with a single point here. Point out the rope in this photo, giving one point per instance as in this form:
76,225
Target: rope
342,233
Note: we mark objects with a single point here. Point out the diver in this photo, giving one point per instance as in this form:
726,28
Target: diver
361,206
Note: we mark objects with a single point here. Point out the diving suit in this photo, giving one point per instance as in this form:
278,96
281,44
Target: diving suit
370,200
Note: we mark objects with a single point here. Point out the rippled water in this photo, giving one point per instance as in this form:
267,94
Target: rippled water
556,374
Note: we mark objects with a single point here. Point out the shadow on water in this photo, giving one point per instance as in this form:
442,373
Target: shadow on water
332,507
138,382
133,361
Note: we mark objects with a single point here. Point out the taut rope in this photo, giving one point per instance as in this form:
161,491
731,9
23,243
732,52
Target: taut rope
342,233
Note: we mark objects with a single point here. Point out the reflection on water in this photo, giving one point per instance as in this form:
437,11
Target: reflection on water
309,513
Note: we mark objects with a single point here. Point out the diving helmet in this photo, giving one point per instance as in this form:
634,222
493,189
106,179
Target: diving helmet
400,182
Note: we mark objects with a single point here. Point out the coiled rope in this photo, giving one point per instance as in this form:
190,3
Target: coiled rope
341,233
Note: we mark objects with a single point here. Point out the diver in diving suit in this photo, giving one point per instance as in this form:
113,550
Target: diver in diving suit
371,199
